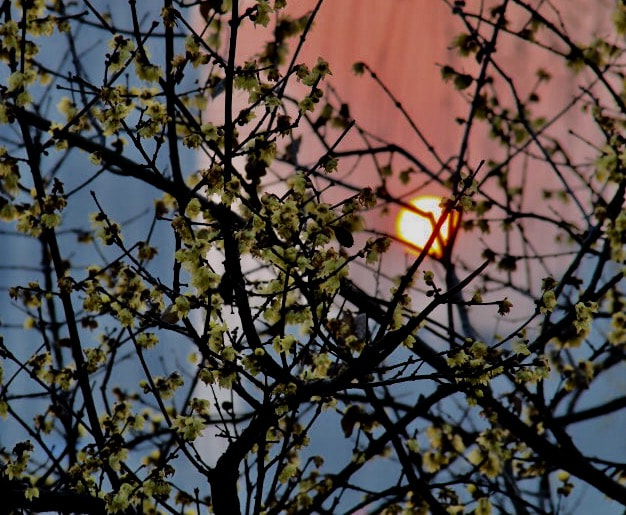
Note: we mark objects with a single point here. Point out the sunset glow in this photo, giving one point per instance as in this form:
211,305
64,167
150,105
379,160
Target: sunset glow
415,228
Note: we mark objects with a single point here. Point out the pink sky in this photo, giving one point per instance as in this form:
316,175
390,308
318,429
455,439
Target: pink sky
406,42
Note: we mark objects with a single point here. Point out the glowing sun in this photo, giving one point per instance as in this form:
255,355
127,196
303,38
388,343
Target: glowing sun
415,227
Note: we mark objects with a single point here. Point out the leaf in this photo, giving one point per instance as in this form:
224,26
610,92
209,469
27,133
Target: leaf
462,81
504,307
344,236
349,419
210,5
508,264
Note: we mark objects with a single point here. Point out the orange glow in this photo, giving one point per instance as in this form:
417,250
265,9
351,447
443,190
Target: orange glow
415,228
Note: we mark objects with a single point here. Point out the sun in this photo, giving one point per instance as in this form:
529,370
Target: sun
415,228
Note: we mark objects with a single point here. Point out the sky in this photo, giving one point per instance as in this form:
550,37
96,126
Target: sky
406,42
